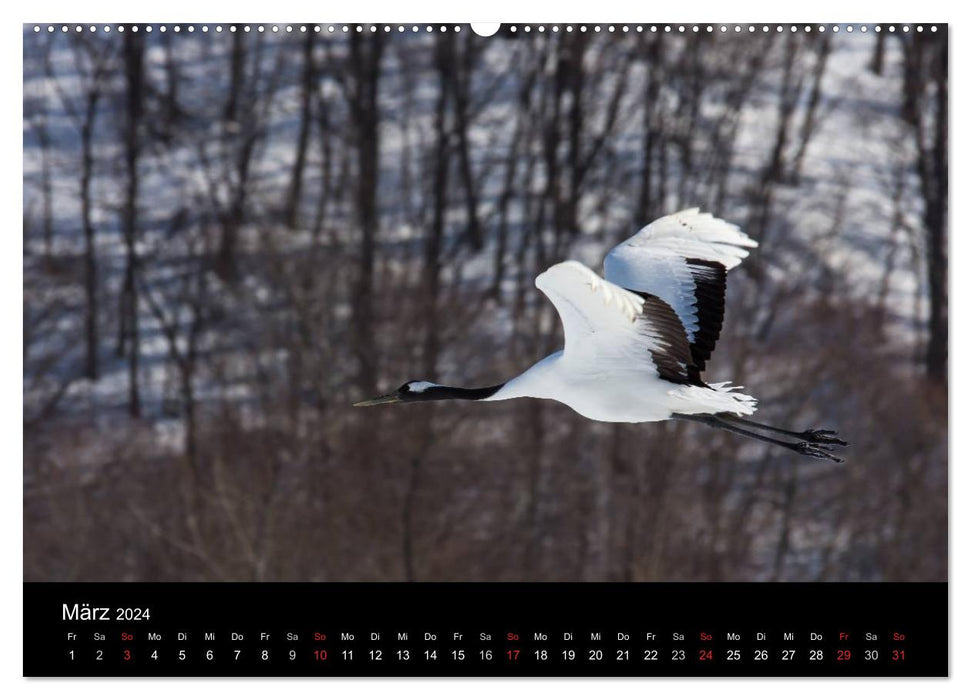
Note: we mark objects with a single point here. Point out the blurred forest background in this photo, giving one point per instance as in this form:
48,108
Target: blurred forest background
231,236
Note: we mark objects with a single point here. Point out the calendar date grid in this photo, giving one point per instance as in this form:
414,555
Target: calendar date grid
327,650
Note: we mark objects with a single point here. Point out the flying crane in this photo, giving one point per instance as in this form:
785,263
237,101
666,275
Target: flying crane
637,339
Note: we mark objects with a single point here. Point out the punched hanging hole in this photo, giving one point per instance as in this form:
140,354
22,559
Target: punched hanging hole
485,28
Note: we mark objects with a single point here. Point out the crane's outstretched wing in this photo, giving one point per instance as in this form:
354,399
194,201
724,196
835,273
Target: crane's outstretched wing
616,325
682,259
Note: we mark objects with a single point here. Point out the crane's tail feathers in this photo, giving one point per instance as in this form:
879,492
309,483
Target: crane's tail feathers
720,397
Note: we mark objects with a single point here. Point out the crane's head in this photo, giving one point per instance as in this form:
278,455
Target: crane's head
409,391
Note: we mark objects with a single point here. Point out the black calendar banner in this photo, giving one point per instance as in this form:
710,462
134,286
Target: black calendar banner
485,629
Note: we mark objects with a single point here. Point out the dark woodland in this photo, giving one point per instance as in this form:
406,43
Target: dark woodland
230,237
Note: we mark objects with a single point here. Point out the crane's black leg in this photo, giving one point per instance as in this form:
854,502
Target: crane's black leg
810,449
823,437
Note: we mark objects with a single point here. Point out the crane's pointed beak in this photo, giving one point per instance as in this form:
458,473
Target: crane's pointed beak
387,398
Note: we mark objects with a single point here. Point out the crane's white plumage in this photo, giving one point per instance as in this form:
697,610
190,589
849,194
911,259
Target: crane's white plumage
635,342
588,304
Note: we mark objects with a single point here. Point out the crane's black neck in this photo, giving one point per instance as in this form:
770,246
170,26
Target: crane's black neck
443,393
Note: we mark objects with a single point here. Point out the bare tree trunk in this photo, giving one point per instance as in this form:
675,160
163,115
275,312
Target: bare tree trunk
764,192
549,207
237,63
789,95
433,243
935,218
306,99
925,109
876,63
809,120
43,137
509,182
365,73
690,83
239,132
573,60
133,52
171,99
91,365
459,79
645,207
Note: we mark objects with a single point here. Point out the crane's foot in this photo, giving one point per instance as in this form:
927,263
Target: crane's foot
818,451
822,437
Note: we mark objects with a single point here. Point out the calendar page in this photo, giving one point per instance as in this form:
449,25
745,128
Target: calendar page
485,350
